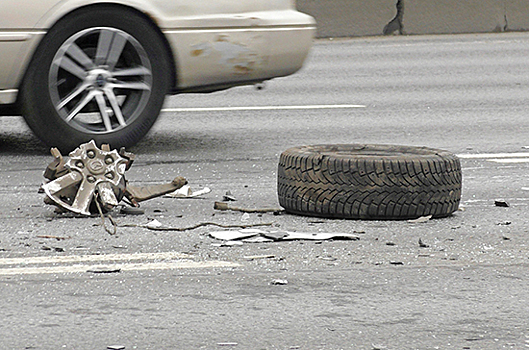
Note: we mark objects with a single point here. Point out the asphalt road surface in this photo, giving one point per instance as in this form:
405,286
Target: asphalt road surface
67,284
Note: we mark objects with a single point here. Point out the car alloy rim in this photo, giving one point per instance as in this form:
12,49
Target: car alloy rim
100,80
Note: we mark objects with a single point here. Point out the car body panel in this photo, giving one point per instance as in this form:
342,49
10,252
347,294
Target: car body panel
214,42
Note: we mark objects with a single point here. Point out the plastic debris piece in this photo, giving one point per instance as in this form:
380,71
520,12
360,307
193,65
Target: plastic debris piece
422,244
234,234
259,257
501,203
278,235
319,236
131,211
227,244
228,197
154,224
187,192
279,282
257,239
104,269
421,220
116,347
225,206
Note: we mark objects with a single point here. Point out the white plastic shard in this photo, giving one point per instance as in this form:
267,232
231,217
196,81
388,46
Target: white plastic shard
259,236
187,192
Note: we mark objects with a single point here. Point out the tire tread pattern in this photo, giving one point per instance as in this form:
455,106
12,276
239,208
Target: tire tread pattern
353,182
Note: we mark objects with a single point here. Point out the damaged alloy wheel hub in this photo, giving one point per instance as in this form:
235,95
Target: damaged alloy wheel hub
93,173
93,180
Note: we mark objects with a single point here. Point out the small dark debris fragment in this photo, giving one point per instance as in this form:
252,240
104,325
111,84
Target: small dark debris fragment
104,270
396,263
228,197
505,238
131,211
391,243
422,244
505,223
116,347
501,203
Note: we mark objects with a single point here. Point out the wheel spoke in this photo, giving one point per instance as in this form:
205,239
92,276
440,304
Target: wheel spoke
103,46
137,71
115,106
70,66
100,98
118,43
130,86
80,105
83,197
73,95
80,56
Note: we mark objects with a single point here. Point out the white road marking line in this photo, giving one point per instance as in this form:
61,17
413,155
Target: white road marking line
493,155
93,258
183,264
259,108
122,262
509,160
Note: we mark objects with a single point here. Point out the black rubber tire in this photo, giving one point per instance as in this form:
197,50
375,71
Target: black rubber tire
37,106
369,181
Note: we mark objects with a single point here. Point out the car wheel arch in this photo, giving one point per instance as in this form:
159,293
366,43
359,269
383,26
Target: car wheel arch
113,6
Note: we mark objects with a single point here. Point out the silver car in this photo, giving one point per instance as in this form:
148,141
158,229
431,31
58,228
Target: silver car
93,69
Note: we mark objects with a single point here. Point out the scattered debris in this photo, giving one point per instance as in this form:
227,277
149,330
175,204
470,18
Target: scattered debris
235,234
227,244
57,249
501,203
187,192
228,197
59,238
421,220
505,223
104,269
254,235
279,282
259,257
225,206
131,211
153,225
92,180
422,244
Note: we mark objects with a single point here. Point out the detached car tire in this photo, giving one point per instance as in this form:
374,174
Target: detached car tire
98,74
369,181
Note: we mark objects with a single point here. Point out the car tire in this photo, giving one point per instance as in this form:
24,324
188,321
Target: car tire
369,181
102,74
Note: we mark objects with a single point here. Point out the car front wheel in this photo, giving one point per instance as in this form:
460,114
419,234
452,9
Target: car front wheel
100,74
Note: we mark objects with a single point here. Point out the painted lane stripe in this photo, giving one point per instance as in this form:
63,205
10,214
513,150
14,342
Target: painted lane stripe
509,160
259,108
93,258
183,264
494,155
122,262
